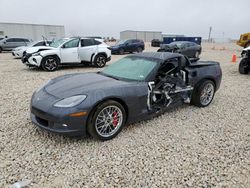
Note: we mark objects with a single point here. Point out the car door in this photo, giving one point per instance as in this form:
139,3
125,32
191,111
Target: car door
129,46
20,42
87,49
9,44
69,52
185,49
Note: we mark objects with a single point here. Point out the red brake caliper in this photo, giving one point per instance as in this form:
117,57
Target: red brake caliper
115,119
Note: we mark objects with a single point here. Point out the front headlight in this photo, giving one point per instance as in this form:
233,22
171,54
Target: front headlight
70,101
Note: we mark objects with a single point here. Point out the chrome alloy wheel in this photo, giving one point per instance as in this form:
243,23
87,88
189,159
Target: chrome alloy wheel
108,121
207,94
50,64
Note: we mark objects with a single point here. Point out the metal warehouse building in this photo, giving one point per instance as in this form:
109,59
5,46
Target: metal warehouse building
31,31
146,36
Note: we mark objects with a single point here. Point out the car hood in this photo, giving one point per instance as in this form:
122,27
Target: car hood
32,50
116,46
21,48
81,83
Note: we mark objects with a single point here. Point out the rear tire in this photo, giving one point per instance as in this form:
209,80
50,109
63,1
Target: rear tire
244,66
100,61
139,50
50,63
203,93
107,120
1,50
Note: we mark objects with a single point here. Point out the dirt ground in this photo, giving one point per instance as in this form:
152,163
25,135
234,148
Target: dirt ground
186,147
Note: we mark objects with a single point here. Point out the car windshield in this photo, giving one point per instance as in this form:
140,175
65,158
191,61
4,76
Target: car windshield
130,68
120,42
57,43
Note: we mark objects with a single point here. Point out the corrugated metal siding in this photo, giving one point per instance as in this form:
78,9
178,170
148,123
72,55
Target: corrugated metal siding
32,31
146,36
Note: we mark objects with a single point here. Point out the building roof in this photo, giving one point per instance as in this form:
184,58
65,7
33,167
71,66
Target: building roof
31,24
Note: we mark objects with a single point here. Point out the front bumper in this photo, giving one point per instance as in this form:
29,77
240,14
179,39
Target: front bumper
108,59
114,50
69,126
17,54
54,119
32,60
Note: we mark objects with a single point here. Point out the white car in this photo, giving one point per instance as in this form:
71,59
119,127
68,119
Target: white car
68,52
18,52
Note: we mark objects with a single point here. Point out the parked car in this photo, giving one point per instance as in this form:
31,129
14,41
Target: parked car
131,45
19,51
8,44
156,43
244,66
134,88
68,52
189,49
244,51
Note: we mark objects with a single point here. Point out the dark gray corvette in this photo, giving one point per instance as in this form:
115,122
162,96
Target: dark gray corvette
134,88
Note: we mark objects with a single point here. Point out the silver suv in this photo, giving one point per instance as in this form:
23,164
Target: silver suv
8,44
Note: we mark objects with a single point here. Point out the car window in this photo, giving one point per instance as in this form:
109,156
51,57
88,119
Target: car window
87,42
19,40
10,40
97,42
40,44
25,40
72,44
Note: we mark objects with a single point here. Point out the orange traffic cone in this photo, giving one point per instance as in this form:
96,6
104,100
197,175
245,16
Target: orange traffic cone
234,58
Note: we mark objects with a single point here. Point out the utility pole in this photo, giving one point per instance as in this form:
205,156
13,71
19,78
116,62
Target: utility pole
209,35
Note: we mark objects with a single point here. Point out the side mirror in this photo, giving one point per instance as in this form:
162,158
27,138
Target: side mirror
63,46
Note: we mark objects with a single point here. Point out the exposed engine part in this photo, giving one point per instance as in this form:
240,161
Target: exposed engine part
169,85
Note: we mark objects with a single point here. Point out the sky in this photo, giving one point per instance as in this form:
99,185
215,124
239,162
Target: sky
106,18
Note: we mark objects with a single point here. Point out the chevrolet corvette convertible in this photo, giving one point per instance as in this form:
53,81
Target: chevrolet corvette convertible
134,88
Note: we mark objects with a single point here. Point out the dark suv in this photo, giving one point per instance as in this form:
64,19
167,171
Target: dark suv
8,44
131,45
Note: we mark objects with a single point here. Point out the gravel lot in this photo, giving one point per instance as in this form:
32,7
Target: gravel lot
186,147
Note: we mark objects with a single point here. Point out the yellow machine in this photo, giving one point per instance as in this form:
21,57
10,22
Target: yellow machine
244,40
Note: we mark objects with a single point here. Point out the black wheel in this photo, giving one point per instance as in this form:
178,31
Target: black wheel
1,50
244,66
100,61
139,50
121,51
203,93
197,54
50,63
107,120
